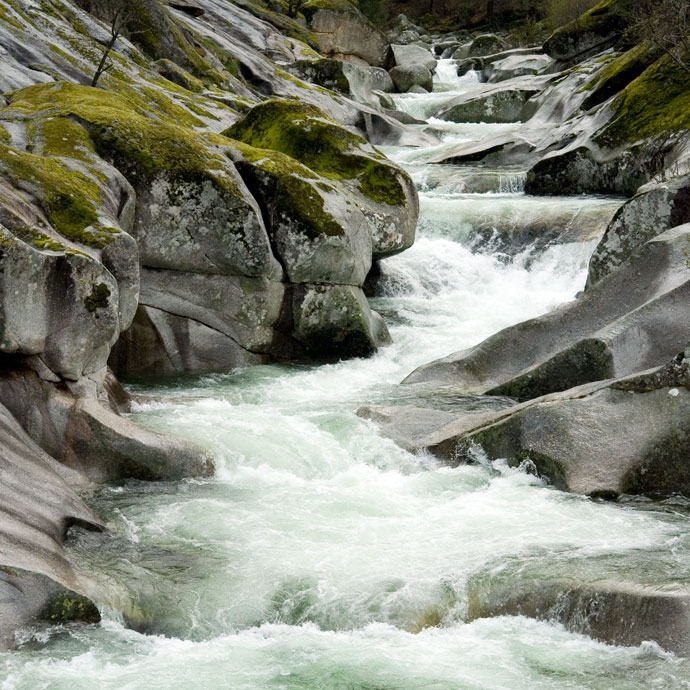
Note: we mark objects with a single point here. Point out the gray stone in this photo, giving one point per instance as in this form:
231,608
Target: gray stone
336,320
411,55
616,613
349,35
630,321
89,438
655,208
586,169
623,436
405,78
200,226
486,44
516,66
502,105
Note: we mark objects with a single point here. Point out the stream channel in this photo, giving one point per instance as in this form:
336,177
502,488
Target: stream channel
323,557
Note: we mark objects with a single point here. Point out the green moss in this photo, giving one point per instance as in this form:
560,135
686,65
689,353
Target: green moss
605,21
656,103
308,135
290,187
178,76
69,606
122,132
4,135
166,105
619,72
98,299
61,136
9,18
69,198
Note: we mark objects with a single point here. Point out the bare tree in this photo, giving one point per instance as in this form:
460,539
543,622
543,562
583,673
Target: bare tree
119,14
665,24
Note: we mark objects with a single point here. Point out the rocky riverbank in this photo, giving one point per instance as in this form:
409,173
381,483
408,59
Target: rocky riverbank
218,201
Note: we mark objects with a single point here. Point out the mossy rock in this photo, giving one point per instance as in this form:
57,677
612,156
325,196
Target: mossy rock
333,321
124,131
182,77
601,27
655,104
69,607
619,72
326,72
307,134
317,231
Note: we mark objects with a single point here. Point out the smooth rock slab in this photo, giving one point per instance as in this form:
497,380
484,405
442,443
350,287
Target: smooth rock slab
632,320
615,613
655,208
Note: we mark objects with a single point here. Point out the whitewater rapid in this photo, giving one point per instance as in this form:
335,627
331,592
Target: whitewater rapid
323,557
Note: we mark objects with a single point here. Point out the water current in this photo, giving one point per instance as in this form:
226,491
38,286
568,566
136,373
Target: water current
323,557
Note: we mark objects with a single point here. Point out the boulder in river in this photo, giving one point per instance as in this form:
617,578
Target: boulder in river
655,208
624,436
407,77
503,103
516,66
345,33
617,613
629,321
410,55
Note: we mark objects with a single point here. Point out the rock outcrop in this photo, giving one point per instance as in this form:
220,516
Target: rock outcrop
344,33
629,321
655,208
133,233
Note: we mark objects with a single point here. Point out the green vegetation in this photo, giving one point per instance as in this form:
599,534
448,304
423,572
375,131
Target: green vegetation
122,132
98,299
656,103
308,135
69,198
290,187
619,73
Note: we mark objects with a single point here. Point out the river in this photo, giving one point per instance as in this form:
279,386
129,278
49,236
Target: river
323,557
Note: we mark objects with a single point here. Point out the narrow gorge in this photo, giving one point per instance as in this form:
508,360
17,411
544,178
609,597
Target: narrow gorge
340,359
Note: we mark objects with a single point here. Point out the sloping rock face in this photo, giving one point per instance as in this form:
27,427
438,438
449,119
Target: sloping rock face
131,232
343,33
655,208
629,321
38,504
573,439
619,614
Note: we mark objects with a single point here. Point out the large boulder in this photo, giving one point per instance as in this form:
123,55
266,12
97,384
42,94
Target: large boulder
410,55
516,66
346,34
629,321
625,436
655,208
502,103
587,169
597,29
380,190
411,76
485,44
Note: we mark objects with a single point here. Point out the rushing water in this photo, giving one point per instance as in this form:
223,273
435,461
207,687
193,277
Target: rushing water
323,557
